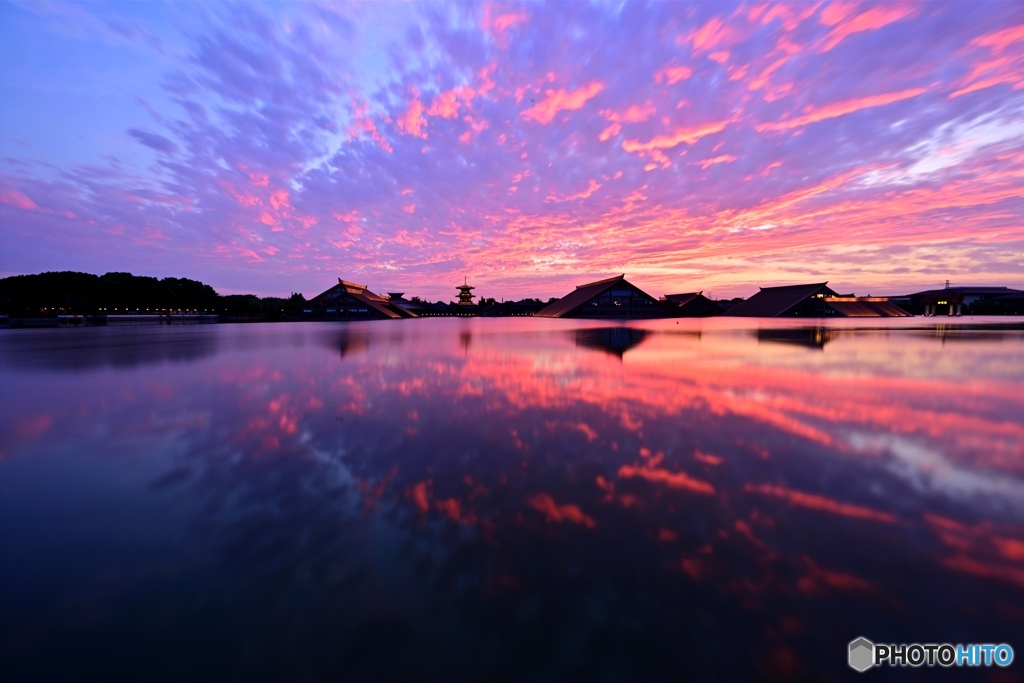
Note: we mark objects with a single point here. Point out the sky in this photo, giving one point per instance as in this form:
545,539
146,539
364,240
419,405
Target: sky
716,146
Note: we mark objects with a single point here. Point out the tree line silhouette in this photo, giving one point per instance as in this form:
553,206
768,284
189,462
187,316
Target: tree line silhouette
67,292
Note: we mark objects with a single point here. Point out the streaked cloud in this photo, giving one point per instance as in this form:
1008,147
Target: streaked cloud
840,109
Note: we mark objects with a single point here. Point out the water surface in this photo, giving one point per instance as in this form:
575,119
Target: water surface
517,499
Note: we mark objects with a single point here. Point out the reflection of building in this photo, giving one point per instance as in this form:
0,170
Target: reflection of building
611,298
613,340
953,300
352,344
814,301
692,305
349,301
811,337
465,297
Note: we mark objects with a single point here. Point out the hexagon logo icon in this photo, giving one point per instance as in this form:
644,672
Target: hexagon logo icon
862,654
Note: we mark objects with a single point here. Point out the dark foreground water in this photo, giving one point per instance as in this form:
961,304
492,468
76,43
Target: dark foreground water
517,499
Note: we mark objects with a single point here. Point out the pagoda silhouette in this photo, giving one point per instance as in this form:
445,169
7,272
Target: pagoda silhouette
465,298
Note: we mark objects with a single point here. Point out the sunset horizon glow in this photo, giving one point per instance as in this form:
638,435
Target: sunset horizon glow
274,148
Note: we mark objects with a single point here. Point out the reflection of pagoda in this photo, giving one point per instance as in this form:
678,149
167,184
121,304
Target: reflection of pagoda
465,298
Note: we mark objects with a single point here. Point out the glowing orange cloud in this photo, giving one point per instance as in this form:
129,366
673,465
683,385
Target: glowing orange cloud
561,100
672,74
713,34
412,122
445,105
840,109
610,132
1000,40
683,135
723,159
875,18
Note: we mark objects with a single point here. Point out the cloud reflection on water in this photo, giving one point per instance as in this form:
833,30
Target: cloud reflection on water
472,497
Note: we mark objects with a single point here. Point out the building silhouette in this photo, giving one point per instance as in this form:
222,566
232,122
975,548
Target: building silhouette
614,298
349,301
816,300
692,305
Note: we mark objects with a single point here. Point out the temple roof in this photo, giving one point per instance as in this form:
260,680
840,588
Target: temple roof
774,301
581,295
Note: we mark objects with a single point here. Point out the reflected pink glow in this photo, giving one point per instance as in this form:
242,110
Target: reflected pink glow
568,512
489,433
821,503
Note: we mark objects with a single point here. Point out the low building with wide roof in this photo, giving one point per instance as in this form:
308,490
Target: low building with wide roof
692,305
610,299
952,300
785,301
350,301
815,300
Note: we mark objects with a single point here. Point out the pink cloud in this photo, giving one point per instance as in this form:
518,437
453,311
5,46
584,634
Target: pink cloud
12,197
1000,40
609,132
279,200
632,114
875,18
331,159
592,187
445,105
680,136
561,100
412,122
791,15
672,74
723,159
715,33
366,124
498,25
835,12
840,109
999,68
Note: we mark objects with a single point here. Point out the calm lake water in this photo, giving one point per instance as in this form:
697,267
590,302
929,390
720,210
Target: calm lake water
518,499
